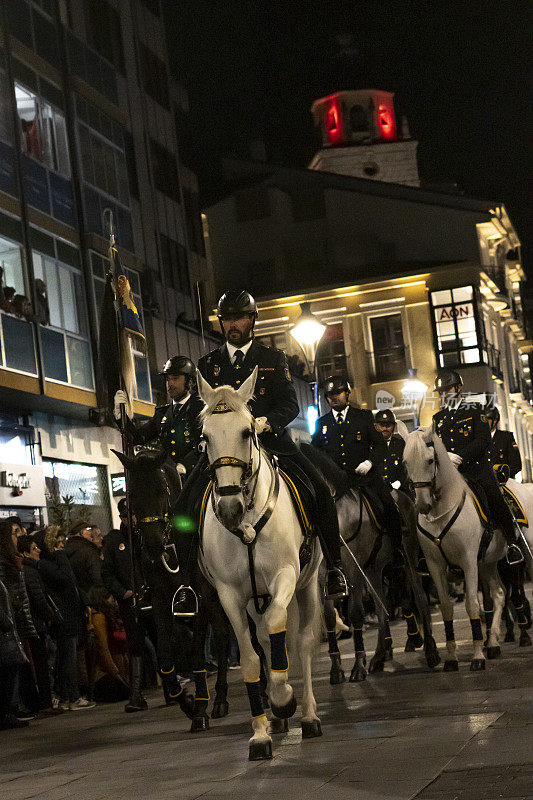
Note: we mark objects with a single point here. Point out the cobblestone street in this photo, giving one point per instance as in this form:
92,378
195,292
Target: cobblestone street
407,733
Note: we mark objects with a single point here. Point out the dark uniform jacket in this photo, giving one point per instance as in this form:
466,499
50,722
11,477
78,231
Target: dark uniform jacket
176,428
116,566
352,441
274,396
391,466
504,450
465,431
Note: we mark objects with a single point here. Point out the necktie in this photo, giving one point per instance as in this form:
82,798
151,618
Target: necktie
238,359
339,418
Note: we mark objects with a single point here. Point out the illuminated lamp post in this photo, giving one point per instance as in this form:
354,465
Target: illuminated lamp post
308,332
415,389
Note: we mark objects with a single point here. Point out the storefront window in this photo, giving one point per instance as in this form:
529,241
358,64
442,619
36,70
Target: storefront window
86,484
454,313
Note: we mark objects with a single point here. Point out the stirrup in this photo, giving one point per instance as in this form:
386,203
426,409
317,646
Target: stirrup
514,547
184,614
344,590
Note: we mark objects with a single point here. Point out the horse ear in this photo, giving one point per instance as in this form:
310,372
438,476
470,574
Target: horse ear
402,430
246,391
205,391
126,461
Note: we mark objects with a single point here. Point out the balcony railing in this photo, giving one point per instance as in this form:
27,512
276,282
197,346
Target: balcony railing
493,359
388,364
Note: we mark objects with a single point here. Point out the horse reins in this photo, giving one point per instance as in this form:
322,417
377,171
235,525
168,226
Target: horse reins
164,520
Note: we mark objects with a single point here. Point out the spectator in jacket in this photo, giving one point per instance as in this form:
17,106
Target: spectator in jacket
16,526
44,616
60,583
84,557
11,658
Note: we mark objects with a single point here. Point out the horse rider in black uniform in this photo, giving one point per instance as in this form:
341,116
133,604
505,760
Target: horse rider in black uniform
175,425
348,435
391,466
465,433
274,406
503,449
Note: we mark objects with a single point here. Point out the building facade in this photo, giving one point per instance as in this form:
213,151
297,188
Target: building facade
90,120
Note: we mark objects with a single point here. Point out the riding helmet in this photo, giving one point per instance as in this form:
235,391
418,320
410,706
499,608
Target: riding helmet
236,301
179,365
385,417
492,413
336,384
447,379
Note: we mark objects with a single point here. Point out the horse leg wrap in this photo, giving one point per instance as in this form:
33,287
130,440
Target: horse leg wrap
200,683
477,634
333,644
412,625
278,651
448,630
521,617
170,680
358,640
254,696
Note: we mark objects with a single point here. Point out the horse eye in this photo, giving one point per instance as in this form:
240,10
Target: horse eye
246,434
431,460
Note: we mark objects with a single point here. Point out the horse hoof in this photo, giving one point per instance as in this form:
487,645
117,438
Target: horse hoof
286,711
525,639
477,664
432,659
310,730
493,652
260,751
200,724
388,654
336,676
451,666
376,665
357,675
278,726
409,647
509,637
220,709
186,703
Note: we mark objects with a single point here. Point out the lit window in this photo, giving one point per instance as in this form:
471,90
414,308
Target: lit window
43,130
454,314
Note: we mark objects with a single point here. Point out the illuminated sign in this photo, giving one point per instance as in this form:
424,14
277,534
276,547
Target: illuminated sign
118,484
11,480
455,312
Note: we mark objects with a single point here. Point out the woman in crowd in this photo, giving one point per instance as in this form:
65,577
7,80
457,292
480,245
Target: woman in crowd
12,577
44,616
110,668
60,584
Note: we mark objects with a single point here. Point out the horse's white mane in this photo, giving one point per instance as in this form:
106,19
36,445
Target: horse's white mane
226,398
416,448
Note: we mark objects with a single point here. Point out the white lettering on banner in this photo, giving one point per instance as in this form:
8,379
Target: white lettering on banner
455,312
13,481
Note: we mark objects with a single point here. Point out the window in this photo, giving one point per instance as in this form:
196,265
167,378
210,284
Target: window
104,165
105,33
164,170
6,120
91,68
388,354
17,346
454,316
43,130
153,76
35,29
175,267
63,316
100,266
85,483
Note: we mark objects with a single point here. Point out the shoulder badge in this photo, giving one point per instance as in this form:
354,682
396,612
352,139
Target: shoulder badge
483,418
324,429
122,546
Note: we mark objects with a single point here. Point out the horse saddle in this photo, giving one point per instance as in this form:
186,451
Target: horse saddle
304,501
514,504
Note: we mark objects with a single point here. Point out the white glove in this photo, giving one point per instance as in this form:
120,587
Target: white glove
363,467
455,459
261,424
180,469
121,398
396,484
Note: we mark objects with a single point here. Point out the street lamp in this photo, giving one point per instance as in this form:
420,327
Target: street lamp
414,389
308,332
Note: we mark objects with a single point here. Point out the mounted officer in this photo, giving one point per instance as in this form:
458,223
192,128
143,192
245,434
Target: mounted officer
391,466
348,435
274,406
464,430
175,425
503,449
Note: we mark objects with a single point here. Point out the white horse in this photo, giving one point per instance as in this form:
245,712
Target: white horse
251,513
524,493
450,533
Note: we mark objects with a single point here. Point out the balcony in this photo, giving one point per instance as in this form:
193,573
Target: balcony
493,360
388,364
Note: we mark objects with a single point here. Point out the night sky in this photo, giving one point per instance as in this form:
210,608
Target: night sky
458,70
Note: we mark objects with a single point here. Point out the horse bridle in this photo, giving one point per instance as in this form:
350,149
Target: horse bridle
248,473
164,520
432,483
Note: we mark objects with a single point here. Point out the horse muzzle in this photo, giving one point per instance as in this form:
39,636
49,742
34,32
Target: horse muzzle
230,506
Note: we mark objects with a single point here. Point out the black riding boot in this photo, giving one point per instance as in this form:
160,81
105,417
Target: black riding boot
136,701
185,602
328,533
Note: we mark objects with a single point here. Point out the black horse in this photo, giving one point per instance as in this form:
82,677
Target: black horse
154,488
